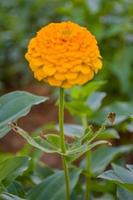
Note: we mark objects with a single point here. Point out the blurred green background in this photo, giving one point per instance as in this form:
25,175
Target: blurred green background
110,21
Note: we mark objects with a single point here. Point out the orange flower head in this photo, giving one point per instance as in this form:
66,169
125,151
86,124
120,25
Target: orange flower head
64,54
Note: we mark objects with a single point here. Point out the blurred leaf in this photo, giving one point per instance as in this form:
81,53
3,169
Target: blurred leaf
4,156
101,186
54,186
104,197
114,30
123,111
42,170
86,90
15,105
120,176
72,130
107,154
122,65
109,133
95,100
91,87
13,167
75,130
94,5
89,99
16,188
130,167
130,127
54,140
123,194
78,108
7,196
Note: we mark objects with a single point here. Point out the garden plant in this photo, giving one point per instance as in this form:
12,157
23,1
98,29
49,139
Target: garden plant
66,56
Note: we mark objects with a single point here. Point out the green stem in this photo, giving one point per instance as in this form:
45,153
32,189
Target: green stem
88,157
84,121
63,147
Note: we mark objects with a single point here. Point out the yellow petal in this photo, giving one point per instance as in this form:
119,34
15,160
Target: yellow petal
76,68
49,71
39,75
90,75
54,82
66,84
83,78
97,64
61,69
85,69
60,76
36,61
71,76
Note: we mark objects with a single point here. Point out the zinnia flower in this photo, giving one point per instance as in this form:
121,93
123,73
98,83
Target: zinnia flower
64,54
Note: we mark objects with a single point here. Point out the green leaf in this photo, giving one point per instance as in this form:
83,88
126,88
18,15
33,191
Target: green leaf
54,140
124,194
122,66
72,130
104,197
107,154
78,108
7,196
16,188
123,111
114,30
120,176
85,147
53,187
76,152
36,142
85,91
101,186
88,135
4,156
89,100
95,100
130,167
75,130
42,170
109,133
124,174
13,167
15,105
